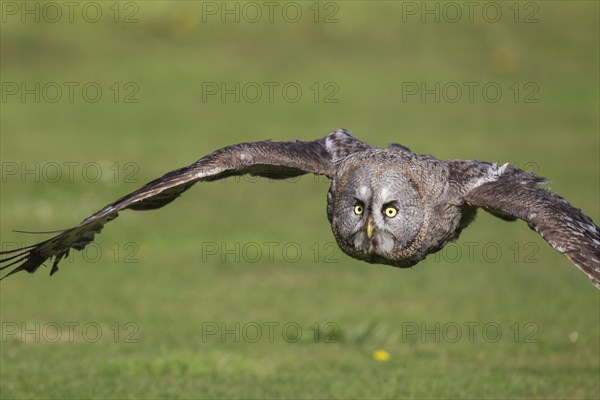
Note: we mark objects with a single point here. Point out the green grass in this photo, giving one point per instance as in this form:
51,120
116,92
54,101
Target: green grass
174,291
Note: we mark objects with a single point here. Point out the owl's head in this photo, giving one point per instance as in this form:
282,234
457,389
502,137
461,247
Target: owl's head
378,211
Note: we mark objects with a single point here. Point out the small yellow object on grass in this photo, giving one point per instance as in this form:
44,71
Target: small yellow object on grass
381,355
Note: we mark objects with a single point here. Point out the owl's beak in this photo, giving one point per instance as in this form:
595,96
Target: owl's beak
370,227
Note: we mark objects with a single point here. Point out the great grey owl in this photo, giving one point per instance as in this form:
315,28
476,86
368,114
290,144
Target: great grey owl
385,205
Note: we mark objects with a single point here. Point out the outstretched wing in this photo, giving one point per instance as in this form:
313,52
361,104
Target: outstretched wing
510,193
276,160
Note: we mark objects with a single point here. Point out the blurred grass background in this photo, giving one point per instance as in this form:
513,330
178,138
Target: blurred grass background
174,289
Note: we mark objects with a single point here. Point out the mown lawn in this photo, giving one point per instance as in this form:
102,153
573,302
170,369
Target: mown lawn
236,290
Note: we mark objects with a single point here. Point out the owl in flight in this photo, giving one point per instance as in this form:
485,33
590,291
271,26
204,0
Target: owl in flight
385,205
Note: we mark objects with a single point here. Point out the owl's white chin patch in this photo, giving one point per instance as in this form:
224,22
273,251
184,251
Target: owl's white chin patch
381,243
385,243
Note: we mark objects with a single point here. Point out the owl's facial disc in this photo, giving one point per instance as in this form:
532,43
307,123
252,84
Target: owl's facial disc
378,214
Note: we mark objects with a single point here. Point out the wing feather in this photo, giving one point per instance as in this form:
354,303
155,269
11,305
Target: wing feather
520,194
276,160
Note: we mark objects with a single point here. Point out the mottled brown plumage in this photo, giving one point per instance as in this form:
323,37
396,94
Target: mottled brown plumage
385,205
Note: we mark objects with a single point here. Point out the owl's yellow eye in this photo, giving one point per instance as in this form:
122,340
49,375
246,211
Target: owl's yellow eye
391,212
358,209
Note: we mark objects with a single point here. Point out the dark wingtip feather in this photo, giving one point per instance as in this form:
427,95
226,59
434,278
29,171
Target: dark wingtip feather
27,259
22,257
55,264
15,250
